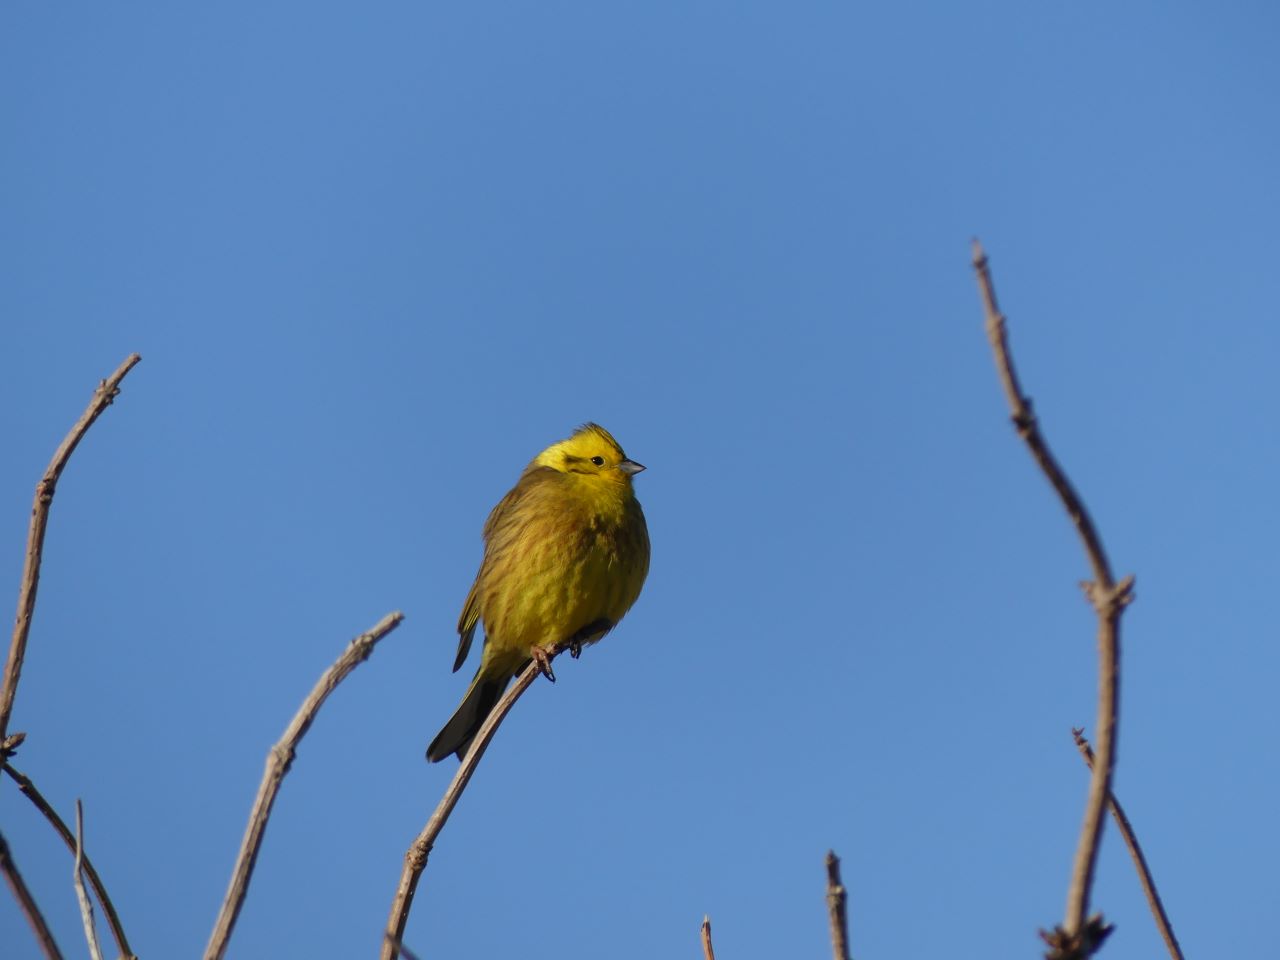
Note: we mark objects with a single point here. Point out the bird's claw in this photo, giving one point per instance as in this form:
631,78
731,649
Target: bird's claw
592,632
543,660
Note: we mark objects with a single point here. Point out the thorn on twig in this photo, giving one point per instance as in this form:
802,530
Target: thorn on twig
11,745
1064,946
1082,744
285,754
1024,420
1108,602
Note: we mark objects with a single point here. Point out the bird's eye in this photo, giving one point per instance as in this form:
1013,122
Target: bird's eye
598,461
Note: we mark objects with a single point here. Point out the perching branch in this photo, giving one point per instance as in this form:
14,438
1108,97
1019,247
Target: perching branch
837,908
28,788
279,759
107,391
1139,861
1108,598
415,859
708,951
28,904
82,896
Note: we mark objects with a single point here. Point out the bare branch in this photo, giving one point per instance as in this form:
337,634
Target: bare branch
1139,861
29,909
708,951
1109,599
108,908
82,896
107,391
415,859
837,898
279,759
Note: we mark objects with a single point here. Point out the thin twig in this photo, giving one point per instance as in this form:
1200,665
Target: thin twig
1139,861
82,896
708,951
1109,599
415,859
28,904
107,391
28,788
837,909
279,759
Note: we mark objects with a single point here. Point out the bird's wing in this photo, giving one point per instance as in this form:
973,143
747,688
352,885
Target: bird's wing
504,522
514,510
533,483
467,626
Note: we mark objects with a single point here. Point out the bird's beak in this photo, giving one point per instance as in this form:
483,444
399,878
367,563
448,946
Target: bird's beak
630,467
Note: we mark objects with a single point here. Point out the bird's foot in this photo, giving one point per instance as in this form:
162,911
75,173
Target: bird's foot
542,657
592,632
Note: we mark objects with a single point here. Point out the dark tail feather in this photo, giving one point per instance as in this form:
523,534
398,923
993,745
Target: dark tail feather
465,723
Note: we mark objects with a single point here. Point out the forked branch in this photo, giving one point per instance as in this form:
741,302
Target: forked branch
28,789
279,759
1139,861
1075,938
401,951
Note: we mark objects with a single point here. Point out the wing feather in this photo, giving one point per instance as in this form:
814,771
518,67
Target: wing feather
501,528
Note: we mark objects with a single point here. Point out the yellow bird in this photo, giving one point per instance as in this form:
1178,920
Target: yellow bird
565,556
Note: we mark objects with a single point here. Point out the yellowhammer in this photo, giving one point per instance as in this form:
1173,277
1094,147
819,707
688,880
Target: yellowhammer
565,555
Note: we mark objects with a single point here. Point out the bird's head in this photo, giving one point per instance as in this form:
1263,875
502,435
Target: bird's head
591,453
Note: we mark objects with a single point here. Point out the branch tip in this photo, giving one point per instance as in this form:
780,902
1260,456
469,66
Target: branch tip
1107,597
279,760
82,895
837,908
102,397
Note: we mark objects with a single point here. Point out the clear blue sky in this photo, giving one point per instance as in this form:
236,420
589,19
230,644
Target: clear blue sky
376,256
